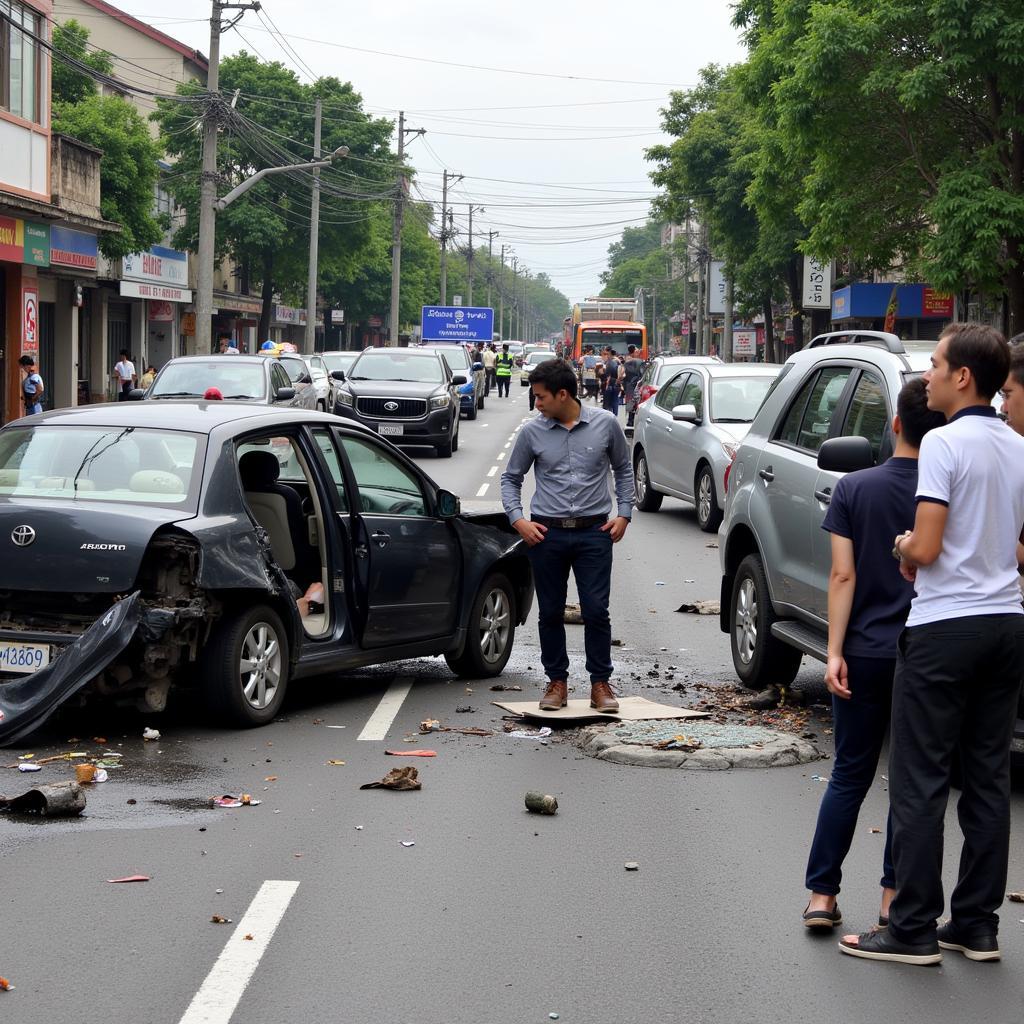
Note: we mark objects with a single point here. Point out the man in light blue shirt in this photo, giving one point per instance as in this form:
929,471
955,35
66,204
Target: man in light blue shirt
572,448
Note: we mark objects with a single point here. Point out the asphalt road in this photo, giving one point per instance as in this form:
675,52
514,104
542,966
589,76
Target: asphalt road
494,915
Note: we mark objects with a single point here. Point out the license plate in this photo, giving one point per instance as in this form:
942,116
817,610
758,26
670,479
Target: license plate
391,429
17,657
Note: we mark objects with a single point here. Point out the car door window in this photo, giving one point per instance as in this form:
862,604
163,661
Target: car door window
693,393
807,422
278,378
868,415
330,454
668,396
385,486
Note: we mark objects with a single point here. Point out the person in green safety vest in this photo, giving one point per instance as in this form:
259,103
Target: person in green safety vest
503,370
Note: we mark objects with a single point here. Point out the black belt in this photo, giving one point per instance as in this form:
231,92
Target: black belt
579,523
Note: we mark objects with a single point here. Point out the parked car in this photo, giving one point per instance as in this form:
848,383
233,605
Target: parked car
257,379
531,361
459,360
686,437
164,544
408,395
515,349
660,369
321,381
336,360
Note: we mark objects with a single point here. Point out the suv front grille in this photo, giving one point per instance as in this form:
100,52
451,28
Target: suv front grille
406,408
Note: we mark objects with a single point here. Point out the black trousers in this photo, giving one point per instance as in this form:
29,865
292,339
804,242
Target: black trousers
503,383
957,685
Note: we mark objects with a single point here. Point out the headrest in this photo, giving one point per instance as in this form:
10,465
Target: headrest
258,469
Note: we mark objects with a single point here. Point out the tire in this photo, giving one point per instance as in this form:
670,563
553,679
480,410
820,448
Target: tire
760,659
647,498
471,415
444,451
455,435
240,634
492,631
709,513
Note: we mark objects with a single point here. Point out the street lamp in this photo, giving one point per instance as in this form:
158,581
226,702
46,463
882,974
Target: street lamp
242,187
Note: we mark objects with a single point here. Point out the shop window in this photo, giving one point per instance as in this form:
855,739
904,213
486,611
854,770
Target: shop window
21,60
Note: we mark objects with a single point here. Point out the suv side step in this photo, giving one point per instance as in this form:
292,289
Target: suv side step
805,638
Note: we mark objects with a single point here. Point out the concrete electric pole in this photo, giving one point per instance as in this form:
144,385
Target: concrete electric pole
491,235
396,227
469,255
445,233
314,236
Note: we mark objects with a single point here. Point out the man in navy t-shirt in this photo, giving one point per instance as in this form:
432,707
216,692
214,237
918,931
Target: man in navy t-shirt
867,608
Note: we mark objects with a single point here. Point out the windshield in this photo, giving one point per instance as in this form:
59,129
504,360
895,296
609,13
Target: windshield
124,464
456,357
618,341
414,368
339,360
190,379
538,357
737,399
297,370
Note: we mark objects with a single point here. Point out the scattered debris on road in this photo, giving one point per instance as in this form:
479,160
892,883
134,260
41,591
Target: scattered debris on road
408,842
230,800
531,734
701,608
128,878
150,734
572,615
56,800
220,919
335,761
878,832
28,767
631,865
541,803
679,742
465,709
398,779
411,753
430,725
5,985
504,688
1015,897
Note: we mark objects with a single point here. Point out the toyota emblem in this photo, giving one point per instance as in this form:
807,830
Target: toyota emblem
23,536
391,406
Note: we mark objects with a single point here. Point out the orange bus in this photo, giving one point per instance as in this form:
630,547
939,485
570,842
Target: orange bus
604,323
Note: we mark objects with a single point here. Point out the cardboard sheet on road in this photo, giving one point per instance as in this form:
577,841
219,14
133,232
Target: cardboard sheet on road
631,709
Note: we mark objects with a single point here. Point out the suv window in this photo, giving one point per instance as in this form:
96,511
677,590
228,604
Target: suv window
278,378
668,396
693,393
385,486
807,422
868,415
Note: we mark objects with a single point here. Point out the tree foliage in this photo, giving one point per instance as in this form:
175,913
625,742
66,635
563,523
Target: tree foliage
128,167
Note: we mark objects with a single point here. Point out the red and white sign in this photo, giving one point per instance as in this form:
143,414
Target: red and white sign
744,341
161,311
166,293
29,320
934,303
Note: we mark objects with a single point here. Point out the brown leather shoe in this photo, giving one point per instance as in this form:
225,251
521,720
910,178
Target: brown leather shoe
602,698
556,696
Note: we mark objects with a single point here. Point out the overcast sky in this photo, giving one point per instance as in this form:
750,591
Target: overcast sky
528,130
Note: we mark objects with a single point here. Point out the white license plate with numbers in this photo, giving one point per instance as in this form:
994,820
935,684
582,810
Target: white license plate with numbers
392,429
18,657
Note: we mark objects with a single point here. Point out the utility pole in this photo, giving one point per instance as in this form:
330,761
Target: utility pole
469,255
727,326
514,308
396,228
446,179
491,235
501,295
700,303
314,236
208,179
654,315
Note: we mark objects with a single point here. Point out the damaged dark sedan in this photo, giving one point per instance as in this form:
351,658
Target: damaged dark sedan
234,549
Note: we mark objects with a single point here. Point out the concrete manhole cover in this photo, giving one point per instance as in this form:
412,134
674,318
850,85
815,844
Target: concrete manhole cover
703,745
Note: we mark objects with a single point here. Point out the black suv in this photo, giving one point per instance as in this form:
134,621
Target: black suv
406,395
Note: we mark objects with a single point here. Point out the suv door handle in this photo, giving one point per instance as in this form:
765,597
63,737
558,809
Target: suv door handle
766,474
824,496
380,539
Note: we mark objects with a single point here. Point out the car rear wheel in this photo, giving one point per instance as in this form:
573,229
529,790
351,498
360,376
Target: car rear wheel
709,514
491,633
245,667
760,659
471,415
647,498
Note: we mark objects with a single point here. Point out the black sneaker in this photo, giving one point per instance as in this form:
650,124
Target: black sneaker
882,946
980,946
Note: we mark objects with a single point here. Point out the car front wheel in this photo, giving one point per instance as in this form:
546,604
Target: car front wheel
647,498
245,667
709,514
491,632
760,659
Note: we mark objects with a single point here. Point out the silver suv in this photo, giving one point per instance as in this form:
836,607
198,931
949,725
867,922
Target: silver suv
828,412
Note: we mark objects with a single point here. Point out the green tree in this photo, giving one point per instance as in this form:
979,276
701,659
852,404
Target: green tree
266,231
128,167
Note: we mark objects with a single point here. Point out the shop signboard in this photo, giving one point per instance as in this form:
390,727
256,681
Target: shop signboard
71,248
716,287
817,291
143,290
159,265
37,244
936,303
744,341
161,311
188,323
289,315
29,319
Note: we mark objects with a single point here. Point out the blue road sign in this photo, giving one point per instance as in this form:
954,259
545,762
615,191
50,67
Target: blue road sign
458,323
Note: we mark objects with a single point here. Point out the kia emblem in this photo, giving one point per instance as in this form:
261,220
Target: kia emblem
23,536
391,406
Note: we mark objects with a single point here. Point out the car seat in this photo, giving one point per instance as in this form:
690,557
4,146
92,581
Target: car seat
275,506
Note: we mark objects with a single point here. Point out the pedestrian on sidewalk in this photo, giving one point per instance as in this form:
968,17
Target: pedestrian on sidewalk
32,388
487,357
633,370
957,681
503,365
868,603
589,363
124,375
611,382
1012,395
571,447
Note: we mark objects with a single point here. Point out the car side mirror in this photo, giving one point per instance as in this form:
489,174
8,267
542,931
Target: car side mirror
845,455
136,394
477,367
338,374
685,414
459,379
448,505
284,394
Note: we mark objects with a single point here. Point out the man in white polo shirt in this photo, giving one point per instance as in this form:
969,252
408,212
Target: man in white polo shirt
958,673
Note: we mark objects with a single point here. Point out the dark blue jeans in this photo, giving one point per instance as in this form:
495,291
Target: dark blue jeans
588,553
859,725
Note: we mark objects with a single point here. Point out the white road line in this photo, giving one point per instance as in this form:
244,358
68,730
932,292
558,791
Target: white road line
219,994
492,471
390,704
485,424
482,491
508,444
500,456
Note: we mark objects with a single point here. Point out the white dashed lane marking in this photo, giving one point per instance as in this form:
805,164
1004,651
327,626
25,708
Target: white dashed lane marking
390,704
492,471
482,491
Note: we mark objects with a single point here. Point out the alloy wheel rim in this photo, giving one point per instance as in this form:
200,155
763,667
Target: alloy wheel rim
260,665
746,621
641,478
704,497
495,626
